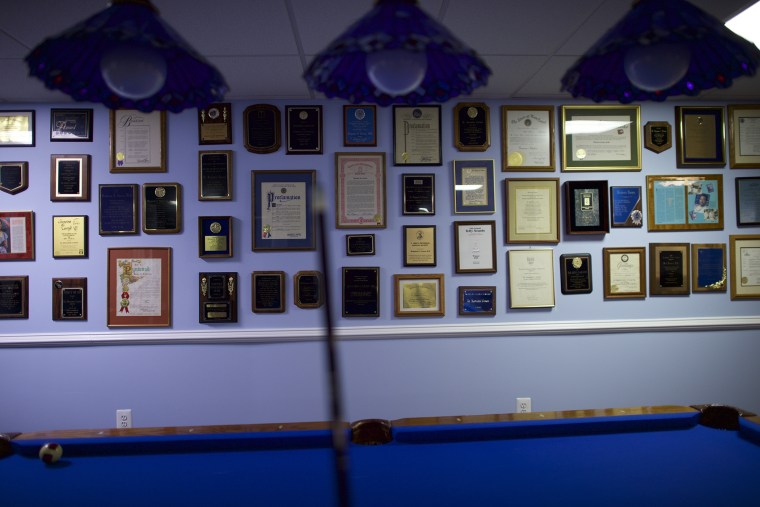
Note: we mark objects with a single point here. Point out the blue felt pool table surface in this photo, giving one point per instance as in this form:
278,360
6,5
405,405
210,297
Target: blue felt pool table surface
646,456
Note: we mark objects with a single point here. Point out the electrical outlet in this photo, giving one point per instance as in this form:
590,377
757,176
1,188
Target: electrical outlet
124,418
523,405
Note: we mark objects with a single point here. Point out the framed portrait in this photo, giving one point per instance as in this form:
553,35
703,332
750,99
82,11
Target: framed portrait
527,142
16,235
700,137
360,291
162,208
303,128
360,200
418,192
626,207
708,267
680,203
283,210
308,289
747,201
14,177
215,175
14,297
139,287
218,297
69,177
601,138
214,237
138,141
575,273
70,236
117,209
268,291
475,246
658,136
419,295
531,278
69,298
624,273
215,124
586,207
417,135
67,125
743,132
419,245
360,244
360,125
745,266
17,128
532,210
472,126
474,186
669,271
477,301
262,128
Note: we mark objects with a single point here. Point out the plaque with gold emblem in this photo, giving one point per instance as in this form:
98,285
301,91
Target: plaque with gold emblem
218,297
214,237
69,298
162,208
215,124
472,126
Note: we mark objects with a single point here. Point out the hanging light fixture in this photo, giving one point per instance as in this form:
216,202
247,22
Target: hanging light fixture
396,54
661,48
127,57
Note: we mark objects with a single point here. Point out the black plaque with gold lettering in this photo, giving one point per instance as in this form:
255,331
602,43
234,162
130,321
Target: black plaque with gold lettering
14,177
261,123
214,237
215,124
360,244
162,208
472,130
69,298
268,291
308,289
218,297
215,175
303,125
576,273
14,297
361,292
658,136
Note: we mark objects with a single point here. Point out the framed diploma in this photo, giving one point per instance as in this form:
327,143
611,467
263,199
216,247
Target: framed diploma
215,124
477,301
308,289
527,142
744,136
14,297
681,203
138,141
303,125
360,244
531,278
16,235
360,190
360,125
268,291
474,186
601,138
419,295
708,267
626,207
700,137
161,208
14,177
575,273
417,135
745,266
70,237
139,287
658,136
418,194
586,208
17,128
69,298
214,237
361,292
117,209
475,247
262,127
747,201
532,210
215,175
419,245
69,177
70,125
624,273
217,297
669,269
282,210
472,126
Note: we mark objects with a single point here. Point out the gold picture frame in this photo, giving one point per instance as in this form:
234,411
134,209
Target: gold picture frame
743,125
680,203
669,269
708,267
745,257
532,210
418,295
624,273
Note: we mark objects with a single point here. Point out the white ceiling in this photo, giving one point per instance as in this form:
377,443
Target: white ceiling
263,46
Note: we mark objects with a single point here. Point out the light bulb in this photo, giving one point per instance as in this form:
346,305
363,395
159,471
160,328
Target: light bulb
133,72
657,67
396,71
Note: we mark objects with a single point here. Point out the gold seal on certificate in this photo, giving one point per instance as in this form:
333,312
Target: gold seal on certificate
580,153
515,158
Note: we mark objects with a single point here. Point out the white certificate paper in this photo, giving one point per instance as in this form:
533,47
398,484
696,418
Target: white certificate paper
360,190
750,266
137,140
605,138
532,208
531,278
528,138
138,288
283,210
625,276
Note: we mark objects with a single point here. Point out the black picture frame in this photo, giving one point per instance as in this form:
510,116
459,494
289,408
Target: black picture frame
586,207
117,209
747,201
14,297
360,244
268,291
360,292
418,194
71,125
215,175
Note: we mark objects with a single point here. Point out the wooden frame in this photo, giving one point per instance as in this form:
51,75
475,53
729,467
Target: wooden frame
70,236
700,137
532,210
303,130
472,126
117,209
360,244
360,174
669,271
268,291
16,235
14,177
294,227
360,125
69,177
624,273
693,202
161,208
531,278
743,126
69,298
139,287
418,191
17,128
418,295
477,301
71,125
215,124
417,135
215,238
308,289
262,128
138,141
215,175
419,245
475,246
527,142
745,259
708,267
474,186
360,294
218,297
626,206
17,288
575,273
747,201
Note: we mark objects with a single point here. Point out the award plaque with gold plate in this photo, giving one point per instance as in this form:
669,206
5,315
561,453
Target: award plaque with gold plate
214,237
218,297
215,124
69,298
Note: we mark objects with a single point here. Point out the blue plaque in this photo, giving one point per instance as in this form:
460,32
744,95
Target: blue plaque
118,209
626,206
360,125
710,268
477,300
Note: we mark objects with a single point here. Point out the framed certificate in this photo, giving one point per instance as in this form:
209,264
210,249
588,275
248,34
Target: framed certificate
708,267
70,125
743,136
360,125
626,207
475,247
419,295
70,236
218,297
14,297
532,210
139,287
531,278
747,201
658,136
214,237
17,128
359,190
360,244
215,124
282,210
474,186
624,273
419,245
117,209
69,298
263,128
69,177
669,269
472,126
161,208
575,273
308,289
215,175
601,138
138,141
361,292
681,203
527,142
700,137
303,125
16,235
745,266
417,135
586,208
418,192
477,301
14,177
268,291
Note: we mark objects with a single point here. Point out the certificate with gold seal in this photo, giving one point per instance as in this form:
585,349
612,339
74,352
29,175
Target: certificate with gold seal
528,138
417,135
138,141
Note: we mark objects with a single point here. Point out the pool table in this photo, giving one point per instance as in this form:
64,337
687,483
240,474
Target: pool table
644,456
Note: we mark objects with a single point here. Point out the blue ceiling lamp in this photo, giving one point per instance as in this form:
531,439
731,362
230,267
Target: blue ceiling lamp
661,48
127,57
396,54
